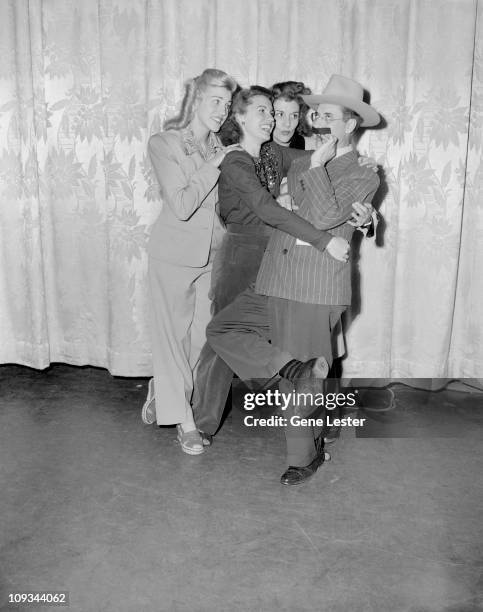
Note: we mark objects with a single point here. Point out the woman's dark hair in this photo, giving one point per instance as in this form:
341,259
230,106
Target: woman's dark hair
230,132
294,90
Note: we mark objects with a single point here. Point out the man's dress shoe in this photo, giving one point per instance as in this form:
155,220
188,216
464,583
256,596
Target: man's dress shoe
295,475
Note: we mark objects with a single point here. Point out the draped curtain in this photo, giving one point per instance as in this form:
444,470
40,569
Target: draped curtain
83,84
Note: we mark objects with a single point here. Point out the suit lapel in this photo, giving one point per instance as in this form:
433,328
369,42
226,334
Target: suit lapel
294,184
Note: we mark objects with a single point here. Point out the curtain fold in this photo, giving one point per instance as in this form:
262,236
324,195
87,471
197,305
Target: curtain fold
84,84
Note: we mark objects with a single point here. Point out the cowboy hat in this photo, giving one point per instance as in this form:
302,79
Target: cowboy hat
345,92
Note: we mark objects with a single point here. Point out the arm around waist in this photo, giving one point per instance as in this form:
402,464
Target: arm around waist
239,171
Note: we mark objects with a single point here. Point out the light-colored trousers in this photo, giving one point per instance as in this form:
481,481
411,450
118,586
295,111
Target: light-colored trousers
180,312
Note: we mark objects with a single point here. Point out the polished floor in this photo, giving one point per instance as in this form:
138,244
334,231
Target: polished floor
95,503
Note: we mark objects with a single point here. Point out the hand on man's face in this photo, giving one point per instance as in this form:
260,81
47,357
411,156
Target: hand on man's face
325,152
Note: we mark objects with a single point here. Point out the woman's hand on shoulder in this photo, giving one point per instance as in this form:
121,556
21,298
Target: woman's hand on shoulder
369,162
222,152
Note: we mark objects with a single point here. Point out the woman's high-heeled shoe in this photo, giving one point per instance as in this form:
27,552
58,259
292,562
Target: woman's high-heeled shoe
207,439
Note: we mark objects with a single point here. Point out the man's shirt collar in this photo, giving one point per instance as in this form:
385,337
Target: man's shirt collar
344,150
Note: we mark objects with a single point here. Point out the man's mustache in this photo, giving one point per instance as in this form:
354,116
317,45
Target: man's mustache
321,131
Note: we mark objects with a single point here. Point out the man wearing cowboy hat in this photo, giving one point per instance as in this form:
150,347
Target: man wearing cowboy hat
284,326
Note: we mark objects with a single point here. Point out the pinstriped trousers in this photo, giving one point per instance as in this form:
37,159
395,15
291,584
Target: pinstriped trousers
307,331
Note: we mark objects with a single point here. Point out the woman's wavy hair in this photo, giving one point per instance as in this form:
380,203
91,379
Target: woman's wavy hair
193,89
294,90
231,132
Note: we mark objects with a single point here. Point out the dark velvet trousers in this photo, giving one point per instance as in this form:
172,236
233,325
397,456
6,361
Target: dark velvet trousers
234,269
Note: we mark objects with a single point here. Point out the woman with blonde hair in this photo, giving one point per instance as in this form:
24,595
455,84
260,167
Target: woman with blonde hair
185,157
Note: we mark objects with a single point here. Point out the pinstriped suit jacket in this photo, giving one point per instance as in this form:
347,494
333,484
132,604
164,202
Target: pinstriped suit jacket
325,196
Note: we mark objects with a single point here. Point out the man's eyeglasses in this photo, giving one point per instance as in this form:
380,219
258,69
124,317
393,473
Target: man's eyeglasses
327,117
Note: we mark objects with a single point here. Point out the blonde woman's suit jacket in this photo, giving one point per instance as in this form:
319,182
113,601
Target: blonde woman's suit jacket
183,232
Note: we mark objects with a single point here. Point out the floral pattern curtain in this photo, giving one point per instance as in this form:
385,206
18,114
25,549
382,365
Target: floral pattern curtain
84,83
